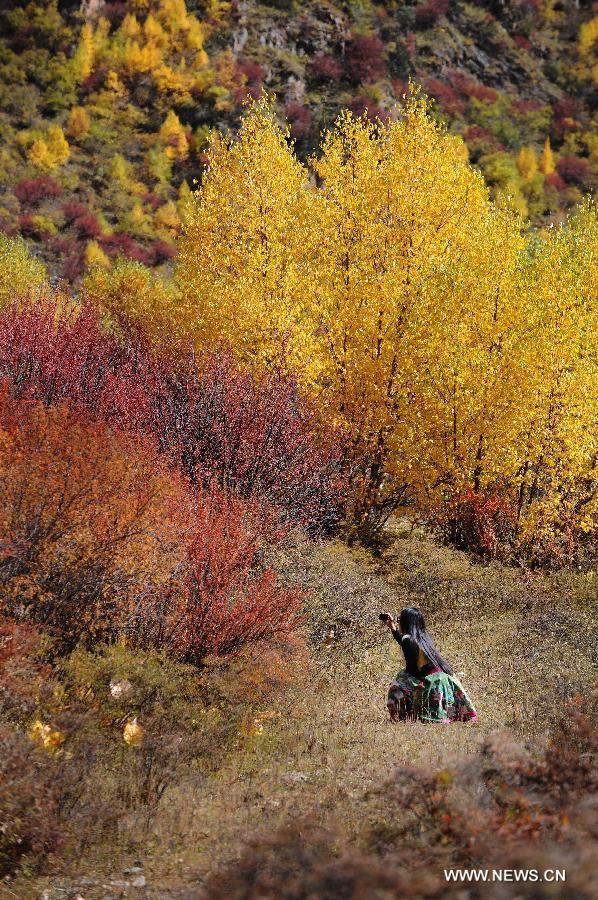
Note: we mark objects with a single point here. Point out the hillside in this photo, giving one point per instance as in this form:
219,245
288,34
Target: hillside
106,108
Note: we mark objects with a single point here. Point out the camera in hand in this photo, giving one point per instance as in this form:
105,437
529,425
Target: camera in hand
384,617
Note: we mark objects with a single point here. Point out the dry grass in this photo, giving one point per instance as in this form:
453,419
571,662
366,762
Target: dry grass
524,643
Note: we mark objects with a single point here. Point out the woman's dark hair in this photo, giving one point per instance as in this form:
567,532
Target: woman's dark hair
411,622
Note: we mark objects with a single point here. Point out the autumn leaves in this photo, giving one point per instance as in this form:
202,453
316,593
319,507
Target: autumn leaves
454,349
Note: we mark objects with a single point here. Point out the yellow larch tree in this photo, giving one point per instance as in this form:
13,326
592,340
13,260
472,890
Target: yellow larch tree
547,164
95,256
39,155
58,146
84,54
527,163
173,135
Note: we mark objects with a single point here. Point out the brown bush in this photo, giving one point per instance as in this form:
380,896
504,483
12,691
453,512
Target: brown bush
22,669
29,828
304,862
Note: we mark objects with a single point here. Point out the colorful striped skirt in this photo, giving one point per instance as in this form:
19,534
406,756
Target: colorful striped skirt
435,697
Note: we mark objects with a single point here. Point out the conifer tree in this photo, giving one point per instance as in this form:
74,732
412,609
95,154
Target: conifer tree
547,164
84,55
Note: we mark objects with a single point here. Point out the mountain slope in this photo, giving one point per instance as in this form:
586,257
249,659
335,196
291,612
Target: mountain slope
107,107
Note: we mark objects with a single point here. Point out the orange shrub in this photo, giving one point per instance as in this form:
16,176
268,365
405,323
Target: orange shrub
90,521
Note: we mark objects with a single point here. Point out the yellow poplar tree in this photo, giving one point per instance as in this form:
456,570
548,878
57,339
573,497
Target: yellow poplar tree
239,258
22,276
399,283
58,147
556,483
134,298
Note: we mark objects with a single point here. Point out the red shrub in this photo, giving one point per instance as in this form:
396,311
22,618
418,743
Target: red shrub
325,67
362,106
30,228
574,170
44,361
526,106
72,209
566,116
364,59
80,217
399,88
251,76
230,600
57,244
87,225
522,42
481,92
115,12
299,118
446,96
555,181
73,266
123,245
479,522
21,669
161,252
411,46
257,437
429,12
91,521
100,540
152,200
567,108
469,87
477,133
32,190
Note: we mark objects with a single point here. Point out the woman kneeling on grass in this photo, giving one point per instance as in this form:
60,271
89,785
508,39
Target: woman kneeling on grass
427,689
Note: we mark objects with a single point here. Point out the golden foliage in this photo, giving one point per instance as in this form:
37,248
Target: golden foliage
527,163
430,331
588,36
134,297
95,256
547,164
79,122
21,274
248,287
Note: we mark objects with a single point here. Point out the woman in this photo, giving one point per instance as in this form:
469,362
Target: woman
427,688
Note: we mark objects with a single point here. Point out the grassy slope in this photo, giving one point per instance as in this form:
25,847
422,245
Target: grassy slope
523,643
